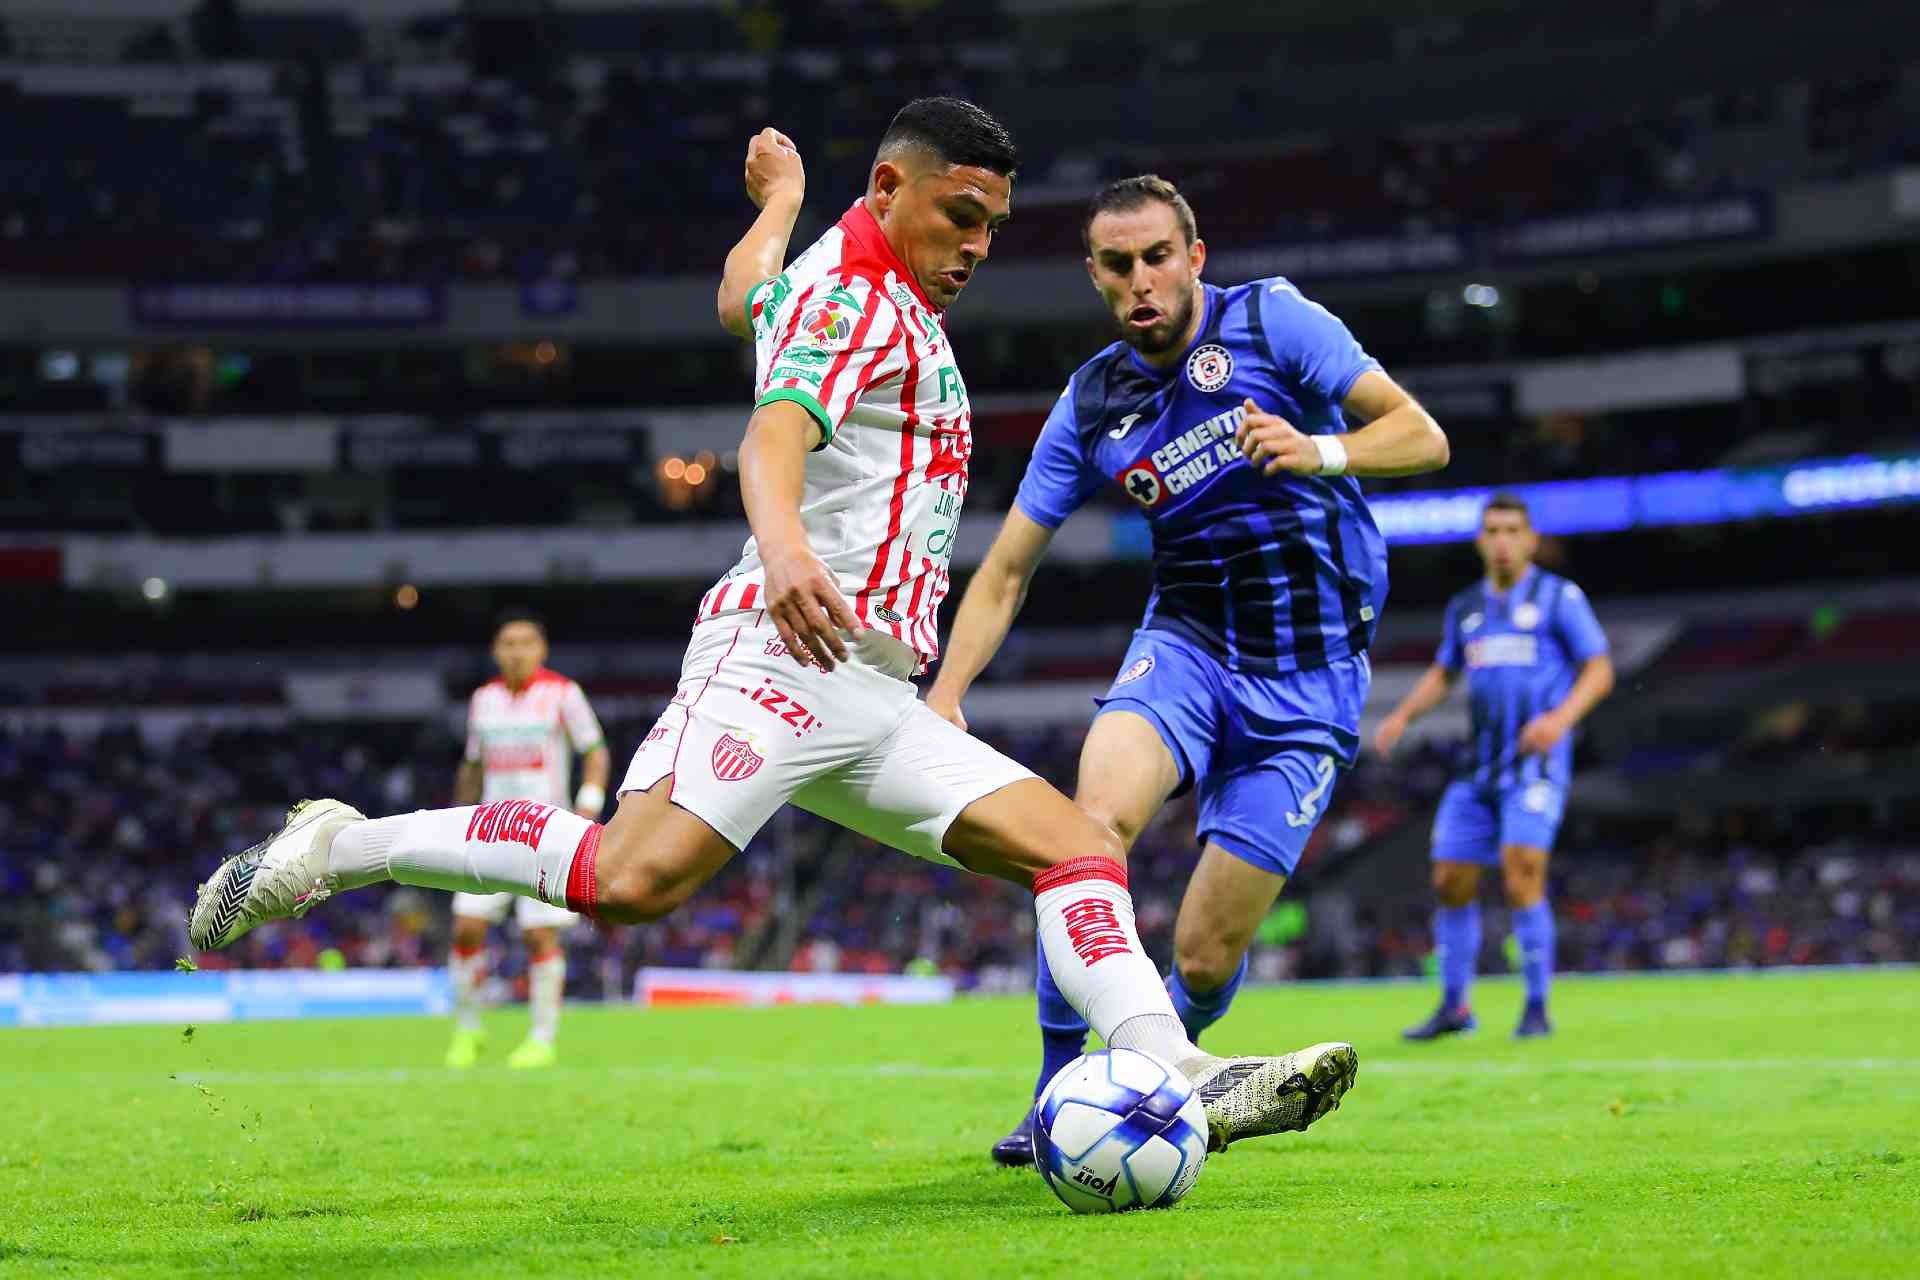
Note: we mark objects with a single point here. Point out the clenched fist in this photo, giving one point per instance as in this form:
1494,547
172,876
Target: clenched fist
1273,444
774,169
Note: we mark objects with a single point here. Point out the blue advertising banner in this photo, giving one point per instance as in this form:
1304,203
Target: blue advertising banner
64,999
1668,498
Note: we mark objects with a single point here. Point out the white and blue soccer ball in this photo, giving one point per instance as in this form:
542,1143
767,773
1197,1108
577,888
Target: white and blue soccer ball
1116,1130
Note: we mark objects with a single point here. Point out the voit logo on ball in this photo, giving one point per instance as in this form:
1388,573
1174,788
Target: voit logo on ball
1209,368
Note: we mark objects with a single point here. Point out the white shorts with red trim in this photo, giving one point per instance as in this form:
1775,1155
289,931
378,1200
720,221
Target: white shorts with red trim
748,730
528,913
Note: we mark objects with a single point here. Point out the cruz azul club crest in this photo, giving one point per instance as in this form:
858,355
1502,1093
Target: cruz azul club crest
734,759
1209,368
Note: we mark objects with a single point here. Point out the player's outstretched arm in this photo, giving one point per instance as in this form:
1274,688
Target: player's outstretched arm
776,183
987,610
1429,692
1399,439
803,595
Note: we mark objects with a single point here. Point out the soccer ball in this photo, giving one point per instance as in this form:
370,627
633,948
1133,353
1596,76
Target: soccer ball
1116,1130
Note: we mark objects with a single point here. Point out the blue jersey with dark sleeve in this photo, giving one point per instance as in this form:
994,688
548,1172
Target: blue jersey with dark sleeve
1268,573
1522,649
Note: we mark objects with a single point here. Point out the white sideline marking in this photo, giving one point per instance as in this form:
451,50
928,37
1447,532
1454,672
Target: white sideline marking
922,1071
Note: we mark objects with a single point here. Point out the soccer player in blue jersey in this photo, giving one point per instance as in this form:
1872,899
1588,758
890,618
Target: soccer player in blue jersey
1224,414
1536,663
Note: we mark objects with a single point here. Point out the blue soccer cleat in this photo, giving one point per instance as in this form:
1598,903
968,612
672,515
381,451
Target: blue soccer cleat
1444,1022
1533,1023
1015,1151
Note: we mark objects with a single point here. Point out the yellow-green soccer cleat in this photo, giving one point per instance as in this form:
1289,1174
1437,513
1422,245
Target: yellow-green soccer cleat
280,878
465,1049
1251,1097
532,1054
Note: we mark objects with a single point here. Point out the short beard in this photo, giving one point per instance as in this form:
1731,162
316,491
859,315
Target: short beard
1176,325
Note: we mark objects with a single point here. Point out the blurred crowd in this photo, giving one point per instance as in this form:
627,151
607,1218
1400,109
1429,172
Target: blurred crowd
1728,891
455,153
102,841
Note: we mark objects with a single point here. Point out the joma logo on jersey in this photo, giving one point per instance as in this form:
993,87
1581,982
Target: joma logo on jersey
1094,931
518,821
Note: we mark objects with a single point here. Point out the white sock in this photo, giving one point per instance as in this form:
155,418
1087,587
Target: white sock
467,971
1086,925
512,846
546,982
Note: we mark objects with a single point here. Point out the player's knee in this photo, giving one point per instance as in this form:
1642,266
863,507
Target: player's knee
1454,886
1121,827
1523,887
1205,964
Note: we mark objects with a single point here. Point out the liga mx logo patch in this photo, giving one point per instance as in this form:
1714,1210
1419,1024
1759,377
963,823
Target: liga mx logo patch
1209,368
827,323
734,759
1139,668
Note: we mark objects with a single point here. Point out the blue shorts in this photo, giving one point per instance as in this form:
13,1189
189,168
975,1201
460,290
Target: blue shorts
1475,821
1262,750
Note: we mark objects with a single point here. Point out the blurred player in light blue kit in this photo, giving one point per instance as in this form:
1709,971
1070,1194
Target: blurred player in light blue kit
1222,413
1536,663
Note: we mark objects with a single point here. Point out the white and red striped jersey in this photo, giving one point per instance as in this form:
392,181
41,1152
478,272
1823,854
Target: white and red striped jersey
524,741
848,335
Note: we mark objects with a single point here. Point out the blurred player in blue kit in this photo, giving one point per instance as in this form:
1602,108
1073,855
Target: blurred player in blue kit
1223,413
1536,663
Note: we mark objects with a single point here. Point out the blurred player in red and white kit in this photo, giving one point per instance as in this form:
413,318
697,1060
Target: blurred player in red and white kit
797,682
523,730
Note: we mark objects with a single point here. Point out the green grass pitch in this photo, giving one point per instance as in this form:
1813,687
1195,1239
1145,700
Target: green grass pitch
1736,1126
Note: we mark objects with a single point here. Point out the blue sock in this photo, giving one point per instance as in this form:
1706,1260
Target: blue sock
1456,935
1533,930
1063,1032
1200,1010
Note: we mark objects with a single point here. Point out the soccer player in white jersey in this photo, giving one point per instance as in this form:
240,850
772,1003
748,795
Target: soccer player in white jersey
796,685
522,731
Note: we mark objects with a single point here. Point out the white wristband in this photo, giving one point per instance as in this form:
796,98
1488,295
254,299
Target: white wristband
590,798
1333,455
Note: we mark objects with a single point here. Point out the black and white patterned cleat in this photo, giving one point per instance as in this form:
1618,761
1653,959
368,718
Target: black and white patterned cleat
1252,1097
280,878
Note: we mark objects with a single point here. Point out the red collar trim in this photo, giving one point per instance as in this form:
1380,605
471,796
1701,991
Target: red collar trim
864,230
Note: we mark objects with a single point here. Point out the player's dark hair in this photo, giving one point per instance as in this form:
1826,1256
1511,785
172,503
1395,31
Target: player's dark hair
1125,194
954,129
528,616
1507,502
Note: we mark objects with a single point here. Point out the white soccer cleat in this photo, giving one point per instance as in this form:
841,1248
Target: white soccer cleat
280,878
1251,1097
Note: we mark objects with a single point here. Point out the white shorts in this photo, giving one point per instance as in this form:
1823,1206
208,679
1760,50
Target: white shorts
748,730
530,913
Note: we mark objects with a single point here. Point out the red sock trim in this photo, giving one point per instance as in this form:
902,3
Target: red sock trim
583,885
468,953
1074,870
